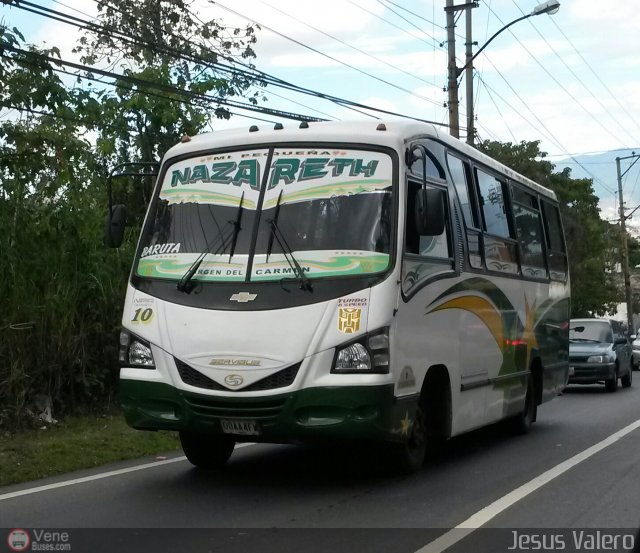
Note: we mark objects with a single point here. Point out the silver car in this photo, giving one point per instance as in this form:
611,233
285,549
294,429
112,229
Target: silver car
599,351
635,360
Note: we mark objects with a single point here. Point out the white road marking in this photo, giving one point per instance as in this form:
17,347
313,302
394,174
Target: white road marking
98,476
483,516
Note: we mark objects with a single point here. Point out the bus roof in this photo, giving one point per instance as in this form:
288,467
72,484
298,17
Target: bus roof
392,132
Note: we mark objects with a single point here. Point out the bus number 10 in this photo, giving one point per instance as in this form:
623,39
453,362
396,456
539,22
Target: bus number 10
142,315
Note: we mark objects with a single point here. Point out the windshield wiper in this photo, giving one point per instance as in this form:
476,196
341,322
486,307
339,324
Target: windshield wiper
275,222
236,227
305,283
185,284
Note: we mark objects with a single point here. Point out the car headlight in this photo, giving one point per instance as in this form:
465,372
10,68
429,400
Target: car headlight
369,354
135,352
599,359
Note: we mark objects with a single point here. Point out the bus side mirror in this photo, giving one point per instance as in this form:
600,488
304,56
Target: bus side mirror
429,212
115,222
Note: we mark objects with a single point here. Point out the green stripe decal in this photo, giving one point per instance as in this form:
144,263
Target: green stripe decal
515,339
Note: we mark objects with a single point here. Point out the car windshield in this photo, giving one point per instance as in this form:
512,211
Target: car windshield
591,331
333,208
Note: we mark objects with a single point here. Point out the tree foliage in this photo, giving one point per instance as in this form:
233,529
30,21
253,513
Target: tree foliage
57,282
588,237
61,291
165,45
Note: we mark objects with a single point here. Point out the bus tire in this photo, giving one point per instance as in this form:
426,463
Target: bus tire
408,457
524,421
207,451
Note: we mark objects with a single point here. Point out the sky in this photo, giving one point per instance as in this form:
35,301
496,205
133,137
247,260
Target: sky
570,80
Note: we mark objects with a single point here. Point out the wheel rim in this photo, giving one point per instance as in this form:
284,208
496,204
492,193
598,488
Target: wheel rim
417,439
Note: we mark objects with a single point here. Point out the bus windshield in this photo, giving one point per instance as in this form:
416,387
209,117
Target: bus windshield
332,209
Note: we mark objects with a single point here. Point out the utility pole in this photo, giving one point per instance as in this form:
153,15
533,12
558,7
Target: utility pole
625,245
550,7
454,72
469,77
452,85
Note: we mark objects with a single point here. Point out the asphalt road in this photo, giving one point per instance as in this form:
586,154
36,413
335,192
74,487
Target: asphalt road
286,498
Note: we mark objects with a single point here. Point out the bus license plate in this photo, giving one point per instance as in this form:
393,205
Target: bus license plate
243,428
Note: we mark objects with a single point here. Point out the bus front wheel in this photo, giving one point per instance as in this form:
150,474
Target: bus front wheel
409,456
205,450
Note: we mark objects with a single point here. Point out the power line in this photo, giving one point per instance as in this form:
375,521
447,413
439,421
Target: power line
593,152
541,65
635,184
181,55
270,79
497,109
573,73
583,162
344,43
407,21
101,29
549,133
311,48
604,85
252,71
147,93
40,112
481,68
433,43
415,14
163,87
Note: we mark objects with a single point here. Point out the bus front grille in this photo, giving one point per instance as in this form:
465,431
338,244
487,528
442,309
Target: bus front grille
232,408
280,379
195,378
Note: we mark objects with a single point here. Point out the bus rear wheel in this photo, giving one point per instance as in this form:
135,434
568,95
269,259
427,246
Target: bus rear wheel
525,420
206,451
409,456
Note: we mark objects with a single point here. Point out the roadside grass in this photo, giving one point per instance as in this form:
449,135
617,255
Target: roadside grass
76,443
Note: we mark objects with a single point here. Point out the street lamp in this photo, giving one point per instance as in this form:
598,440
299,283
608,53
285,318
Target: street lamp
551,7
625,246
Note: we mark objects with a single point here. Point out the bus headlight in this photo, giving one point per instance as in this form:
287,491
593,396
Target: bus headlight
135,352
353,358
369,354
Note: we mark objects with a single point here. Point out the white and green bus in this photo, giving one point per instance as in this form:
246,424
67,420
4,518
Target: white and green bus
341,281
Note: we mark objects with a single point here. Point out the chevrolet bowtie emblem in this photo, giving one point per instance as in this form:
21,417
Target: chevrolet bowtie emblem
243,297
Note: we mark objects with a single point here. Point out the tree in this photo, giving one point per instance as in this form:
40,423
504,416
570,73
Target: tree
54,328
593,289
61,291
163,43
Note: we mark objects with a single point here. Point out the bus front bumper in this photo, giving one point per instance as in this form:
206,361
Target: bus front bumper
307,415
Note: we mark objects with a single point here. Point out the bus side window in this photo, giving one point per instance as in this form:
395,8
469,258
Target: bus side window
529,231
556,253
463,184
424,164
426,246
500,249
